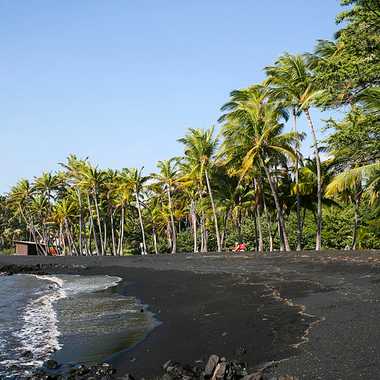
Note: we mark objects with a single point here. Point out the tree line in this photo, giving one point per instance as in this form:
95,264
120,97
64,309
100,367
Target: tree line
249,182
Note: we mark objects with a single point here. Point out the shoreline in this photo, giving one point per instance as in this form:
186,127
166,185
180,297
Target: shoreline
207,308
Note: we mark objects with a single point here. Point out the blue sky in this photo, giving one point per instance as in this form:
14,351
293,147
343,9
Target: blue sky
121,80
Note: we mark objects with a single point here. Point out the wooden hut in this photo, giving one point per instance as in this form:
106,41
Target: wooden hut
27,248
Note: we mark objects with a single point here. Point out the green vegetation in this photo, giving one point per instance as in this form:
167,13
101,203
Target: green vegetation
248,183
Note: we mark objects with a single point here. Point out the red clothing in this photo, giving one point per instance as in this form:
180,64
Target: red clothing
242,247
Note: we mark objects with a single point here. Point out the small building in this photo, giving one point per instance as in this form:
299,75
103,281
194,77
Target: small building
27,248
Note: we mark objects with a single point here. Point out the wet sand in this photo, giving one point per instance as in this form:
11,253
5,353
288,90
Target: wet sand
315,314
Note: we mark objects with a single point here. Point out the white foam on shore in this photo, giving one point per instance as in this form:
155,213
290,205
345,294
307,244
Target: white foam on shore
39,334
54,279
76,284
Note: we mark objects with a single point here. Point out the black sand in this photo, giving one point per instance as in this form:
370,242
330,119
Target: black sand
246,307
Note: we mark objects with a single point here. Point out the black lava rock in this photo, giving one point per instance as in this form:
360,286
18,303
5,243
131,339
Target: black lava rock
212,362
51,364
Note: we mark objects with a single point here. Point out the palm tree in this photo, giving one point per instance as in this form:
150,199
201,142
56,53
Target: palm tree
200,148
124,195
137,181
45,185
91,183
156,212
74,170
111,186
370,98
63,211
356,156
292,83
20,199
352,184
189,186
254,138
167,178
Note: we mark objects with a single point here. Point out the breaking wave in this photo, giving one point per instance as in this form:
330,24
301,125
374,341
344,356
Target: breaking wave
29,331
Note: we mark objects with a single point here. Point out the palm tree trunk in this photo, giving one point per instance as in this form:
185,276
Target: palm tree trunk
113,234
174,235
105,235
259,230
80,221
206,239
303,219
73,250
280,216
141,221
356,220
68,238
214,212
99,223
269,222
202,228
92,226
257,186
76,250
30,226
281,236
318,242
194,223
155,240
223,234
39,248
298,198
238,226
169,235
62,238
84,238
88,240
256,237
46,243
121,235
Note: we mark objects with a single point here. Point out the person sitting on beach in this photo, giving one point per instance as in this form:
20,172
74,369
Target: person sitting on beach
242,247
52,250
239,247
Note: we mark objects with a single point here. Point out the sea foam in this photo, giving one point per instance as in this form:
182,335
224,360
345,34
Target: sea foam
37,337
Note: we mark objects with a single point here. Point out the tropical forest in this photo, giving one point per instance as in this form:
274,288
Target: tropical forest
245,179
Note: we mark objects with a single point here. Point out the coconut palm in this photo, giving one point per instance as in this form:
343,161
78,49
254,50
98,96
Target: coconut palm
254,138
46,184
111,187
190,192
64,211
74,171
352,184
158,218
124,195
91,183
137,182
292,83
370,98
200,149
19,199
167,178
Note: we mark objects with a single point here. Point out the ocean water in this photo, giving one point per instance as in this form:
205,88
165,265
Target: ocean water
68,318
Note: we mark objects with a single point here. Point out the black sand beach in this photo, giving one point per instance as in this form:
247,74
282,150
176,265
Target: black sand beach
314,314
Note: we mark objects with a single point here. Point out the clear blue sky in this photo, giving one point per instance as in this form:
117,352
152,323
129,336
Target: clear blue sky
120,80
